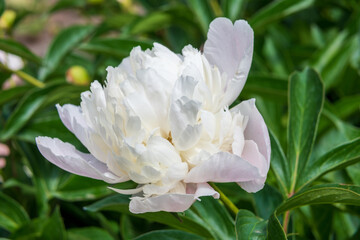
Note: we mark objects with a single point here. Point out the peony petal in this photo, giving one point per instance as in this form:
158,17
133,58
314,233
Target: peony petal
253,186
65,156
127,191
230,48
256,129
171,202
223,167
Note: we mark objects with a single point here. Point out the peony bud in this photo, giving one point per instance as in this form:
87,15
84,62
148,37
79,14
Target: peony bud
77,75
7,19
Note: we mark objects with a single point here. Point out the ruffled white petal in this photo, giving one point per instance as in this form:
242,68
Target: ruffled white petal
223,167
230,48
65,156
172,202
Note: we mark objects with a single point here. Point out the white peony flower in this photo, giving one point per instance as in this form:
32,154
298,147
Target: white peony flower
162,121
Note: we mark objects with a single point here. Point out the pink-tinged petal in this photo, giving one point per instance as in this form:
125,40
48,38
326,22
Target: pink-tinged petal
252,155
253,186
4,150
256,129
223,167
230,48
171,202
65,156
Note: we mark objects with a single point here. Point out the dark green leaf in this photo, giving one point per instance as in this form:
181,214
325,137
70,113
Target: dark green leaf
43,228
113,47
24,111
277,10
306,96
2,7
248,226
323,194
12,93
88,233
275,230
233,9
168,235
279,165
216,217
63,4
79,188
151,23
64,42
265,205
18,49
266,86
120,203
203,13
12,214
339,157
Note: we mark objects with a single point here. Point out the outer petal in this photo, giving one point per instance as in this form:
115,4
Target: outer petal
256,129
223,167
65,156
171,202
230,48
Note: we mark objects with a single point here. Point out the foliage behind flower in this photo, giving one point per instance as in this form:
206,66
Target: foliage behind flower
162,120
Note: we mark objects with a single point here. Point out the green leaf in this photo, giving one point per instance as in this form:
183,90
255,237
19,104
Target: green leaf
88,233
120,203
233,9
113,47
216,217
56,92
277,10
151,23
203,13
63,43
2,7
79,188
168,235
279,165
12,214
25,110
12,93
339,157
266,86
18,49
43,228
323,194
249,226
275,230
63,4
306,94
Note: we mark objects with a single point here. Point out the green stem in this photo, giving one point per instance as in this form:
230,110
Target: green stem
28,78
227,202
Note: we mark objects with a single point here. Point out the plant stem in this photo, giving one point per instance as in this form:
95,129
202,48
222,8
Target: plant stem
287,216
226,201
28,78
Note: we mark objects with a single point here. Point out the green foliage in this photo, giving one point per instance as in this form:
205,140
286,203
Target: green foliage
305,78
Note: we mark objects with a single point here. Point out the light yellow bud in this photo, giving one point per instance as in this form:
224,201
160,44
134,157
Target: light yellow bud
77,75
7,19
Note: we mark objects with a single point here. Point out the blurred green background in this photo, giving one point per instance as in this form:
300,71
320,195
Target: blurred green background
66,44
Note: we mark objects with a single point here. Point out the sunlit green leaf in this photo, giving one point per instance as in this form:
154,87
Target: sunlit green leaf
306,96
323,194
64,42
